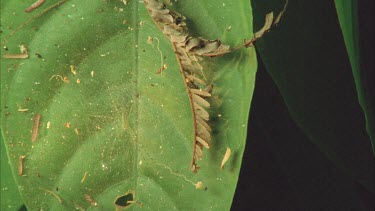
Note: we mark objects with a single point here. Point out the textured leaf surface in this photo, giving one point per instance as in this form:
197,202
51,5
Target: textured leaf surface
10,197
117,121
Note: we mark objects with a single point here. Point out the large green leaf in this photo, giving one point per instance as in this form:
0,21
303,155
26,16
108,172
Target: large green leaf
10,197
281,167
307,58
347,12
129,128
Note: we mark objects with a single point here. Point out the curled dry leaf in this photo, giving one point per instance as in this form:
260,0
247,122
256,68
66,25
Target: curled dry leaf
188,50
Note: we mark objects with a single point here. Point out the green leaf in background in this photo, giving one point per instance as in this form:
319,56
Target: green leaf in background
307,58
10,197
347,12
282,169
118,127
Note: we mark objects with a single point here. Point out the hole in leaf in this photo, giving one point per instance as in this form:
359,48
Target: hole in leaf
125,201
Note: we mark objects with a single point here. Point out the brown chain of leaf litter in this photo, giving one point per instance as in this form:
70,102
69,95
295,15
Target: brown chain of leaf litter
186,47
188,51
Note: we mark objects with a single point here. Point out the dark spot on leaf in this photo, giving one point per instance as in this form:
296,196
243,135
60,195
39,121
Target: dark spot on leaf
125,201
178,20
202,44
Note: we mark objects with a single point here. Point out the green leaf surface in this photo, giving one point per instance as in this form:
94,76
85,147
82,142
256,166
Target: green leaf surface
347,12
123,126
307,58
10,197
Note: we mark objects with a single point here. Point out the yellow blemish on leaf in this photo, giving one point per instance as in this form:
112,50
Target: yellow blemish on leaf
226,157
67,125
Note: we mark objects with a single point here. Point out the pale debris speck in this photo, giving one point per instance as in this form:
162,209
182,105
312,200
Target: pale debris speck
104,166
149,40
23,48
199,185
67,125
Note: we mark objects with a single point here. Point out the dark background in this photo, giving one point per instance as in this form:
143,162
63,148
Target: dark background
282,169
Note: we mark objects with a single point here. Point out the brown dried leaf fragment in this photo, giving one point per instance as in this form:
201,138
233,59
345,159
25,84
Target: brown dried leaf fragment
73,69
161,69
20,165
35,5
200,101
278,17
226,157
202,46
67,125
84,177
266,27
35,128
200,92
16,56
